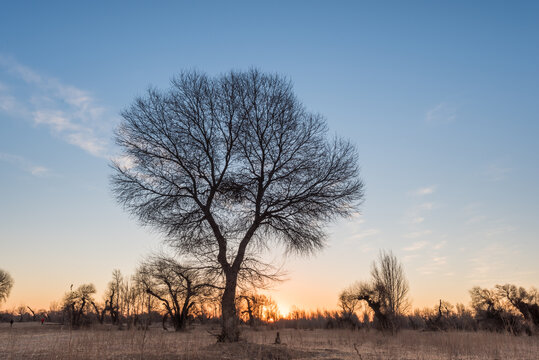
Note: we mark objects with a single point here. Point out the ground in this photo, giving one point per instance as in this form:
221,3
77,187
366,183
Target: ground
50,341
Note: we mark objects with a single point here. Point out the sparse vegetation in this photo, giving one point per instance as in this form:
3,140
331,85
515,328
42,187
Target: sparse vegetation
32,341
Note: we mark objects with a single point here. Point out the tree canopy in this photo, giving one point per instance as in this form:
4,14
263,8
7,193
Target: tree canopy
222,165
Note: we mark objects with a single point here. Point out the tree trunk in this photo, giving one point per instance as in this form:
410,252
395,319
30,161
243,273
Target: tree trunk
180,321
230,331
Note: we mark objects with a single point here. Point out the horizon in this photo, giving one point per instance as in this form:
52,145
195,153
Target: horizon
445,118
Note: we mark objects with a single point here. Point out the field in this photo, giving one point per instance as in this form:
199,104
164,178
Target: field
34,341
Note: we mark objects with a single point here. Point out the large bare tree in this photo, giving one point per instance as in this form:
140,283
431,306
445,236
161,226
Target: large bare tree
225,165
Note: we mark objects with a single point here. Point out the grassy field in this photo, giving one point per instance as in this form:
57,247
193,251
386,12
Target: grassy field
33,341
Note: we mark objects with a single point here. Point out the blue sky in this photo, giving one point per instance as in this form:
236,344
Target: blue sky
440,98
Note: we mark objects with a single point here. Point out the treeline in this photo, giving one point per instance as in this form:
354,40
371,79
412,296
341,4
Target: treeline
166,292
162,290
504,308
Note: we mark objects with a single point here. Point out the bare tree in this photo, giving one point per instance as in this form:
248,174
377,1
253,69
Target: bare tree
224,165
6,283
522,300
375,299
255,308
387,291
348,302
506,307
176,286
389,278
113,296
76,302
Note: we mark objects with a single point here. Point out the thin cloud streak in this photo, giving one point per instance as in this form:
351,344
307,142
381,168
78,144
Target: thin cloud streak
442,113
424,191
416,234
25,165
418,245
497,172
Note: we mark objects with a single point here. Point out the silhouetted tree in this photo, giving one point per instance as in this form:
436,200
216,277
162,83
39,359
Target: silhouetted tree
386,293
506,307
255,308
491,312
222,165
176,286
375,299
100,310
349,302
76,302
6,283
113,296
389,278
522,300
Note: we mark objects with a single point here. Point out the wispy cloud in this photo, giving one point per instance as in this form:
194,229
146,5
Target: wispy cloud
433,265
439,245
417,213
476,219
366,233
426,206
499,230
70,113
418,245
424,191
416,234
496,171
442,113
493,263
25,165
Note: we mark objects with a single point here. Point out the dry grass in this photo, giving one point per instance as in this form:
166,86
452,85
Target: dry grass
33,341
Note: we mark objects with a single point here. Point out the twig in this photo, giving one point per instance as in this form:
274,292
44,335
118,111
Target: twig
357,350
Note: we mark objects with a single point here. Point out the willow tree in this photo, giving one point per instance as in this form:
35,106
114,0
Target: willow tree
224,165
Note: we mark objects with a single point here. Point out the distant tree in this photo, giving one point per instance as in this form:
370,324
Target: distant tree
21,312
224,165
506,307
522,300
176,286
389,278
375,299
113,296
349,303
387,291
100,310
76,302
6,283
256,308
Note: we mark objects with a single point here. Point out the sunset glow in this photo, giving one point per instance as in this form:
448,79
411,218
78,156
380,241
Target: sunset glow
444,117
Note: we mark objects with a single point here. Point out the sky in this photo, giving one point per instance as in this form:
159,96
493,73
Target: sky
441,99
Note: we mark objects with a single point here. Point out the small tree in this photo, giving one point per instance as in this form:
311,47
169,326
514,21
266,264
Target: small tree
386,293
6,283
388,278
76,302
175,285
349,303
522,300
506,307
224,165
255,308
